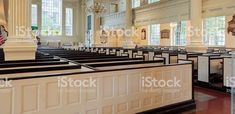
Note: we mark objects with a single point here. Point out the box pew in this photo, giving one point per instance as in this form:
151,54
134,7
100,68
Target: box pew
16,69
170,56
91,57
114,63
229,73
125,64
25,64
102,50
1,55
143,53
122,52
209,67
190,56
131,52
115,92
106,59
155,53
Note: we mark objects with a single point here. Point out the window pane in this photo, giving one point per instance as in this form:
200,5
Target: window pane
152,1
135,3
51,17
179,33
214,31
155,34
34,15
69,21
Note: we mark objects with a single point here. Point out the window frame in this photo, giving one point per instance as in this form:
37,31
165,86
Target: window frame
156,34
207,39
177,29
66,19
36,15
60,19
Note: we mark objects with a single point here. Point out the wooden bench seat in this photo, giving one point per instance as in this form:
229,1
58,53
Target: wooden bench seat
37,69
107,59
91,57
24,64
129,66
123,63
26,61
1,55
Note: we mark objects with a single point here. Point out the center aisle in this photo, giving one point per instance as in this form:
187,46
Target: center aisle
210,102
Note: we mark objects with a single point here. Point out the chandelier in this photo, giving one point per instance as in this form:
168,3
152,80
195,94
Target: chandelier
98,8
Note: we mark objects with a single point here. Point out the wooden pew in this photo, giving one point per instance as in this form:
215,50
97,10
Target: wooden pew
115,89
190,56
170,56
1,55
106,60
154,53
209,69
228,71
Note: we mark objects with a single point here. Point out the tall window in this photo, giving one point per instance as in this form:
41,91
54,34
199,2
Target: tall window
69,21
34,15
51,17
214,31
152,1
155,34
135,3
179,33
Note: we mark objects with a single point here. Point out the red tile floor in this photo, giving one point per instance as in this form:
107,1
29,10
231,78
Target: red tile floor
210,102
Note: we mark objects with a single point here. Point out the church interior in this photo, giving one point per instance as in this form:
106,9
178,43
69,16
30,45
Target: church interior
117,57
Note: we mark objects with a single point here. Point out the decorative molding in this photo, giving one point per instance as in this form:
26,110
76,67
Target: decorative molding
162,12
218,8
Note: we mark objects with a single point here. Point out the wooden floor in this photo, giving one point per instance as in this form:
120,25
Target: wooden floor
210,102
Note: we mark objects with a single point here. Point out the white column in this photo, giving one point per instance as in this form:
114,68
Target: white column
129,13
20,44
128,19
82,21
196,36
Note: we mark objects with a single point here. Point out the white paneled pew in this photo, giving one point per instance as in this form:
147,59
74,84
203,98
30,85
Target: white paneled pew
170,56
229,72
210,70
113,51
122,52
131,52
1,55
190,56
103,60
133,62
113,92
142,53
154,54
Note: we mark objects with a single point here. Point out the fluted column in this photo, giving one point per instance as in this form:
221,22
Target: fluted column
20,44
19,15
128,19
196,36
129,13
